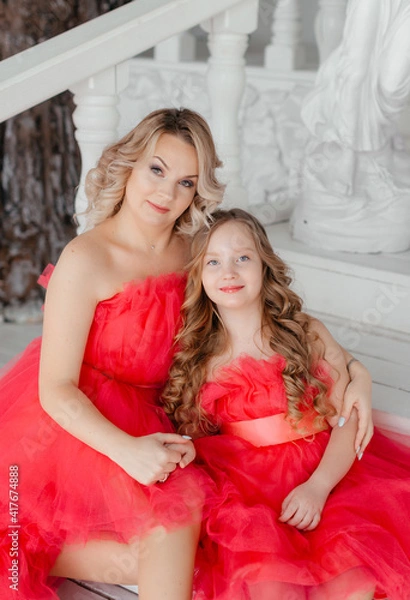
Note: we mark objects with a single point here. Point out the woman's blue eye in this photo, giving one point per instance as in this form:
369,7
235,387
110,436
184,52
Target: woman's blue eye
156,170
187,183
243,258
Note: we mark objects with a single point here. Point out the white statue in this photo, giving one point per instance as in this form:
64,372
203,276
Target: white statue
356,180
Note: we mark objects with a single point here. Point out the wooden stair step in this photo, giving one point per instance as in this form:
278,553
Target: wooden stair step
86,590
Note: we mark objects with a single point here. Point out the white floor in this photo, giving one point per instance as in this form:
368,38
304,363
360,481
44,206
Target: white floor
14,338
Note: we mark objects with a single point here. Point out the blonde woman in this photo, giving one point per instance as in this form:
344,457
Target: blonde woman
102,483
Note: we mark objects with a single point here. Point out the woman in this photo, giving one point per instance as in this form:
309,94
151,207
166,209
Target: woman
87,450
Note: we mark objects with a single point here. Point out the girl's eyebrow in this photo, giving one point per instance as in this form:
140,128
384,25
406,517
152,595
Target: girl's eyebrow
166,166
240,249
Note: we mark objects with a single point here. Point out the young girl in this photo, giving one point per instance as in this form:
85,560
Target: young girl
258,383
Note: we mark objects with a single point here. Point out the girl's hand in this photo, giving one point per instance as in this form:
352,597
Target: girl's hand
303,507
358,395
150,458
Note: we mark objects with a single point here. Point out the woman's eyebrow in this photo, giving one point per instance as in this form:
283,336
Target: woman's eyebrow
161,160
166,166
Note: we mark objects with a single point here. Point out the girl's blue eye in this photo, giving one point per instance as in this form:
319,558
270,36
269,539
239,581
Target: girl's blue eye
243,258
212,262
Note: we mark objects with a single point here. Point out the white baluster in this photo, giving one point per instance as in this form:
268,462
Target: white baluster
227,42
96,119
329,25
176,48
286,51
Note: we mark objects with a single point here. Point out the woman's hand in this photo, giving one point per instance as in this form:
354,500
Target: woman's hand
303,507
151,458
186,449
358,395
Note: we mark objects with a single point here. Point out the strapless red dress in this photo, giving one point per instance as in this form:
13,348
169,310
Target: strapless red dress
246,553
54,489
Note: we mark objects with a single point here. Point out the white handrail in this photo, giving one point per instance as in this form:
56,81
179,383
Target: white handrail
53,66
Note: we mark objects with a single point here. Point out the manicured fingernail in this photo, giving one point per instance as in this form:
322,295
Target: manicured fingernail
341,421
358,449
360,456
186,437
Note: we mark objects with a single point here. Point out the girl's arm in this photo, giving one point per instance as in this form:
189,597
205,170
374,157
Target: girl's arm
71,299
302,508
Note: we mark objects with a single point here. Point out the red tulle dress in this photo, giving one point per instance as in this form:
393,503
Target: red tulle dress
67,492
246,553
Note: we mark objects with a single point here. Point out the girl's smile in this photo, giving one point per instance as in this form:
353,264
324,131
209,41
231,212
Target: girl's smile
231,289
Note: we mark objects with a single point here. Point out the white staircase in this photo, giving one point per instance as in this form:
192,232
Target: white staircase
364,299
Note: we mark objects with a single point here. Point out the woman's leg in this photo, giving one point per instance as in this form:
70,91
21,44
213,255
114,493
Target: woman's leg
166,564
103,561
357,578
361,596
162,564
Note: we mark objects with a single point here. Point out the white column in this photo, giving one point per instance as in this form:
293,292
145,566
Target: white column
227,42
177,48
286,51
96,119
329,25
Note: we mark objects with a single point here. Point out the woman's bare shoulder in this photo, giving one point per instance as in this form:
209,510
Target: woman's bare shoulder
84,262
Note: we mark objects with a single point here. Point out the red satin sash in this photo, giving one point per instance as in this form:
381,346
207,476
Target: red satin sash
272,430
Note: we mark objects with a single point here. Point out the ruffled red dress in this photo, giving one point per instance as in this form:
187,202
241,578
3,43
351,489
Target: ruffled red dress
246,553
56,490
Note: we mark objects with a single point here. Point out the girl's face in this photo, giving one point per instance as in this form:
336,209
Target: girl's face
232,268
162,185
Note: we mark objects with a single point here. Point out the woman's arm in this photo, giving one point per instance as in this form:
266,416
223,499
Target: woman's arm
73,293
358,395
352,386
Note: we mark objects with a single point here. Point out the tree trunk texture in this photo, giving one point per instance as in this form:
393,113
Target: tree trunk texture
39,159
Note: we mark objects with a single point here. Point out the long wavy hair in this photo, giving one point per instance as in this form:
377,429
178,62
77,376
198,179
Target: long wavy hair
203,336
105,184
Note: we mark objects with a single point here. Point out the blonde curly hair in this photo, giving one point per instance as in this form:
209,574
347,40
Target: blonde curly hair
203,336
105,184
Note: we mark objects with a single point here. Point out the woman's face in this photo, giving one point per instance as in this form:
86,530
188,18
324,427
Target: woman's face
232,270
163,184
